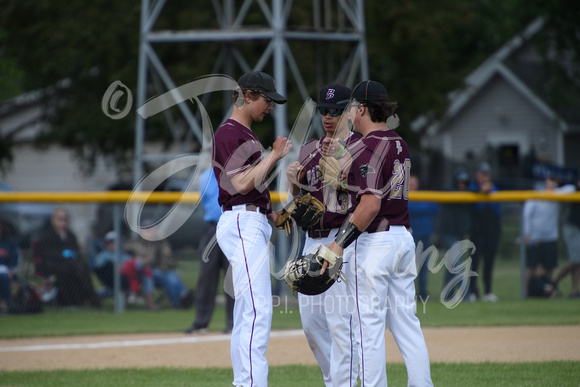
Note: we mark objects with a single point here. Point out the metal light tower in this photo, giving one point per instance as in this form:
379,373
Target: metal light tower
332,22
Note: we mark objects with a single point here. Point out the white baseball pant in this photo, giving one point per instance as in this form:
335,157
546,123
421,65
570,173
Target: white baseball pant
383,289
318,316
244,238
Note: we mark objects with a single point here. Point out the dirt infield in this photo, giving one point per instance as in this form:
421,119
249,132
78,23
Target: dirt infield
458,344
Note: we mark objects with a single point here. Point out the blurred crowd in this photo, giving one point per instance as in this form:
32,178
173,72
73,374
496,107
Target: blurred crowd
447,225
64,275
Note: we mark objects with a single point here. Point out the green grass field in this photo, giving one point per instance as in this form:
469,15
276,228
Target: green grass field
559,374
510,310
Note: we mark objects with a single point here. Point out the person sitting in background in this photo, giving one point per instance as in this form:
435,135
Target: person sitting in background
9,263
104,264
139,275
422,220
57,253
159,255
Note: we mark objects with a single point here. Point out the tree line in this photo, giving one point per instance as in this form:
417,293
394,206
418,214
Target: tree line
420,49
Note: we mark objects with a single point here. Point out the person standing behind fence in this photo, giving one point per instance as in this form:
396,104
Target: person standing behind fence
485,233
540,222
571,233
213,260
57,253
453,225
422,223
9,263
243,231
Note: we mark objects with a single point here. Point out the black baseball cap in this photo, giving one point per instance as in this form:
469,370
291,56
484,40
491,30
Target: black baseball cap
333,96
370,91
257,80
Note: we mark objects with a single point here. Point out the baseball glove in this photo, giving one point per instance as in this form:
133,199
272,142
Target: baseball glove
303,273
306,211
332,173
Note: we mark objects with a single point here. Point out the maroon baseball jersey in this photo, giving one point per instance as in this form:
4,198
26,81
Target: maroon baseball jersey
382,166
236,149
337,202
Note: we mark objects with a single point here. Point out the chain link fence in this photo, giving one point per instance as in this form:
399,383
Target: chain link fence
77,250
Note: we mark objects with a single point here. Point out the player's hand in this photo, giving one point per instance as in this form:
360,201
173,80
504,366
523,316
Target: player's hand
486,187
281,146
273,216
335,249
293,172
330,147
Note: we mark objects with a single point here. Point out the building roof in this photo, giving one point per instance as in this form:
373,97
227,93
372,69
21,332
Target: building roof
522,76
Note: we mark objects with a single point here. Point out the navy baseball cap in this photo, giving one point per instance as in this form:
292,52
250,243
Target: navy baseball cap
461,175
484,167
333,96
370,91
257,80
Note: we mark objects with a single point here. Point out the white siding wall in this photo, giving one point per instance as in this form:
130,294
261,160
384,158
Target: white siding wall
497,112
55,170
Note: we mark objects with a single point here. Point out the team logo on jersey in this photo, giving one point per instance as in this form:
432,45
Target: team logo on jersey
399,147
330,94
314,176
365,170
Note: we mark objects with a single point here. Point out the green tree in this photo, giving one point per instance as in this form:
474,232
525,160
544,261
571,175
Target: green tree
420,49
74,50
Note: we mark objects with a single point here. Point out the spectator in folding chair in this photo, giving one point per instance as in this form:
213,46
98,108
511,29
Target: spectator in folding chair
57,253
9,263
139,275
104,265
159,256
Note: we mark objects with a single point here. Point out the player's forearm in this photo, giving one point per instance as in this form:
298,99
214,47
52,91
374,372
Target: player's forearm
253,177
294,190
363,215
366,211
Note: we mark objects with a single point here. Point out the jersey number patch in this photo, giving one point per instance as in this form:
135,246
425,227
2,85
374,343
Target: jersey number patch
400,179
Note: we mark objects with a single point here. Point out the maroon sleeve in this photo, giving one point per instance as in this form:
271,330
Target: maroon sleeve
236,149
309,157
382,168
337,202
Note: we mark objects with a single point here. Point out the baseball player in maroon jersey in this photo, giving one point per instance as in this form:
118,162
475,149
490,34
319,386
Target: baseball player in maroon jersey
305,176
243,232
382,266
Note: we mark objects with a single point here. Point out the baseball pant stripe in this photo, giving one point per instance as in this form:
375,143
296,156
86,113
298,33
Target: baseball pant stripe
314,314
343,325
360,325
352,351
252,296
244,238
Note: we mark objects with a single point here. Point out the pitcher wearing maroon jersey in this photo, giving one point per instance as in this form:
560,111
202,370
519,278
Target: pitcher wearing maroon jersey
243,232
